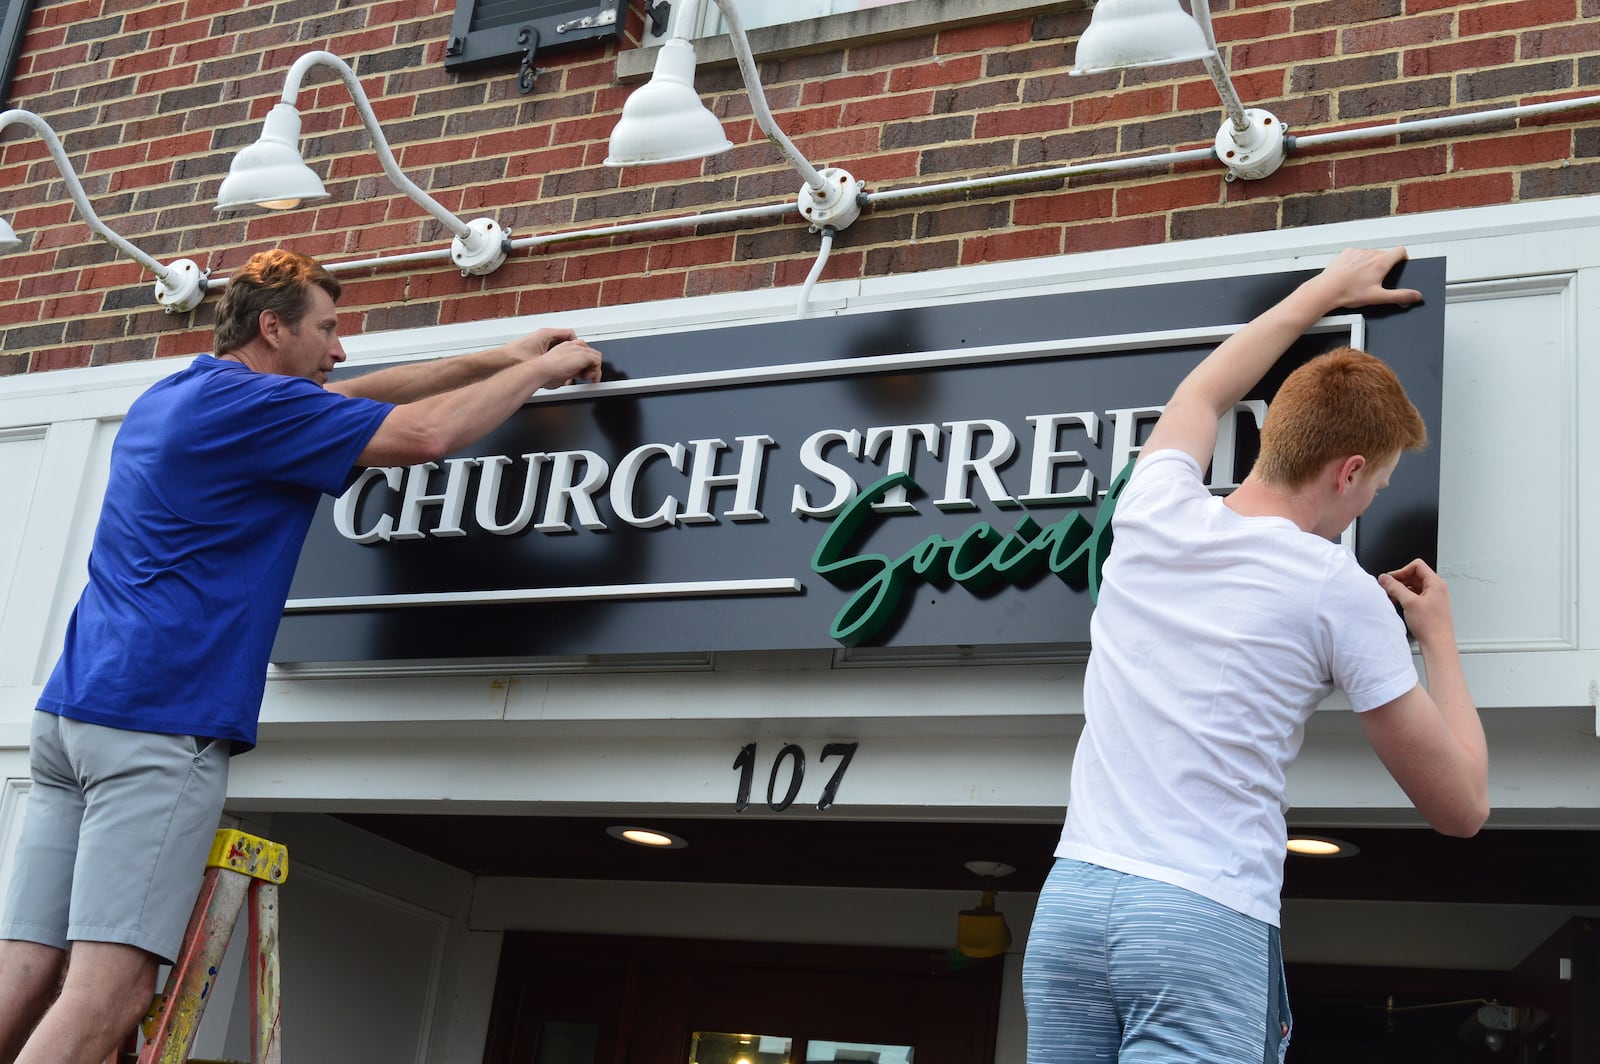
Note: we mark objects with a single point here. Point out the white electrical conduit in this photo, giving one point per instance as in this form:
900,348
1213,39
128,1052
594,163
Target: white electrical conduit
774,210
1171,158
891,197
1422,125
1434,125
816,271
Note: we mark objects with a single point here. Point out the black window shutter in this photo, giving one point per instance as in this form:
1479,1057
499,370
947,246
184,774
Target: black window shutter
13,27
486,30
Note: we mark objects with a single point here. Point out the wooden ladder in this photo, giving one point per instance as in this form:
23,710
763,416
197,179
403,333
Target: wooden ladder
242,868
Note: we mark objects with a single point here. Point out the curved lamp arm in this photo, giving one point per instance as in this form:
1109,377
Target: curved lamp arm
179,287
1219,73
291,91
1251,141
758,96
829,195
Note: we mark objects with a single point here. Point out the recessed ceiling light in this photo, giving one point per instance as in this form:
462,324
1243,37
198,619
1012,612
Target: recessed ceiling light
1321,846
660,840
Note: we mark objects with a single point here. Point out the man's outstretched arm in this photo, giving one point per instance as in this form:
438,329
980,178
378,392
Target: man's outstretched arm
410,381
429,428
1353,279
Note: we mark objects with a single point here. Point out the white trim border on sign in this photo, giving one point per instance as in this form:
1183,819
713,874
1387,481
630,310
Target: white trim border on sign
582,593
797,371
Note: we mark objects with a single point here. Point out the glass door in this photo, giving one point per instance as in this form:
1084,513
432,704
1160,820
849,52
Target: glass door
864,1052
714,1047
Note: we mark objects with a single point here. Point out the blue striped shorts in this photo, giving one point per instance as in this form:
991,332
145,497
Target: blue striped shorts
1122,968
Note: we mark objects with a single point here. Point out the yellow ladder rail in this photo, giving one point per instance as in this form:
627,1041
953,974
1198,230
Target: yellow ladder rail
242,868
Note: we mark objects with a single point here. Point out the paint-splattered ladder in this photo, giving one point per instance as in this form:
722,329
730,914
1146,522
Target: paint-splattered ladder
241,867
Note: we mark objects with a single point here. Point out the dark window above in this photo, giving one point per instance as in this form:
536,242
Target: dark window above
487,30
13,27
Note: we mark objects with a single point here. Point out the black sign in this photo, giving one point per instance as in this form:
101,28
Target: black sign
725,489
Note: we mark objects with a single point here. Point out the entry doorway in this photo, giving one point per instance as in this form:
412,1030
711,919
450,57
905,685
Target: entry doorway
579,999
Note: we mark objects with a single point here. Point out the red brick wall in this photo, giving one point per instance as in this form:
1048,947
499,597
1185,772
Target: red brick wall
152,99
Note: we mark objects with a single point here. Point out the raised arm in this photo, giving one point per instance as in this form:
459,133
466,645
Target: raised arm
1353,279
431,427
417,380
1432,740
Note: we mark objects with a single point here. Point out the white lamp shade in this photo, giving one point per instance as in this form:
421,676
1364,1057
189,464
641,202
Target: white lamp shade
663,121
1139,33
270,172
8,237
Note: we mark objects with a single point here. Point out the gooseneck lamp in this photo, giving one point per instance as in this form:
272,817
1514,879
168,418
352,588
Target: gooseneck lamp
179,288
272,174
665,121
1126,34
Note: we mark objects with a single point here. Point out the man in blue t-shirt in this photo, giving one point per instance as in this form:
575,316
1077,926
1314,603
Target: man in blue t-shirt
215,477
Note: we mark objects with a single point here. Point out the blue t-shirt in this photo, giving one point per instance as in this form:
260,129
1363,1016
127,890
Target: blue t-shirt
215,477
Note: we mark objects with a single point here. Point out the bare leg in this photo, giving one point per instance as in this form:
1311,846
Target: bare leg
29,976
106,992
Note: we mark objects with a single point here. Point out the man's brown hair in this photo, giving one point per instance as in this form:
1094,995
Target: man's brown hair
275,280
1338,404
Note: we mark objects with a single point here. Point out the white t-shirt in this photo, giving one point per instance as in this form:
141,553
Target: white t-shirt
1214,639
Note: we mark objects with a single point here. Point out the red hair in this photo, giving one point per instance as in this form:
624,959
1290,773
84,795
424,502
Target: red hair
1338,404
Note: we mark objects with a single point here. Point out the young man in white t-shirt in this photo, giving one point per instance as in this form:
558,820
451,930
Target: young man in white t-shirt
1221,624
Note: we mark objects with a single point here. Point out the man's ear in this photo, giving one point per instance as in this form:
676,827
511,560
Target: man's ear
269,325
1349,468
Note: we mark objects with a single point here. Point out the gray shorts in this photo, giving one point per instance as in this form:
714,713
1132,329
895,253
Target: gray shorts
115,837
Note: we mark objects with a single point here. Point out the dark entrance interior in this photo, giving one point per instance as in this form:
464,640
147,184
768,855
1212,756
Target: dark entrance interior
1342,1013
567,999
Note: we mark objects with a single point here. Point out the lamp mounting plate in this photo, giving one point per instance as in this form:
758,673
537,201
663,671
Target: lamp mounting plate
482,250
182,289
835,204
1255,151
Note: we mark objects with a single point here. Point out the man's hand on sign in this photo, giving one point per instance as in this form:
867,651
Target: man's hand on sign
572,362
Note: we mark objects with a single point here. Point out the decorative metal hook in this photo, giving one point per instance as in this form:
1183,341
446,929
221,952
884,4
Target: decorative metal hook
528,40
